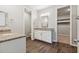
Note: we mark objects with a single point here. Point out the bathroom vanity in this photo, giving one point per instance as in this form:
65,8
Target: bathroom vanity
44,34
11,42
42,30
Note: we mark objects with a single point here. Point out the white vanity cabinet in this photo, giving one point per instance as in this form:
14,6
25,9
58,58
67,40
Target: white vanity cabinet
47,36
37,34
14,46
43,35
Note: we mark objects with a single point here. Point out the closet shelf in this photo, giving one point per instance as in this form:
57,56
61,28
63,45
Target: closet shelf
65,21
63,18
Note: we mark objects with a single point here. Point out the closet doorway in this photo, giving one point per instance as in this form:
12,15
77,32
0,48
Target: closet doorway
27,18
63,25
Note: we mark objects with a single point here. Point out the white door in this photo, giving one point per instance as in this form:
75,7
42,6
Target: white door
37,34
46,36
77,23
78,28
78,34
27,18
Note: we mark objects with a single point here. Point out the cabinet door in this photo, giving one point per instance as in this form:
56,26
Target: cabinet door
37,34
46,36
14,46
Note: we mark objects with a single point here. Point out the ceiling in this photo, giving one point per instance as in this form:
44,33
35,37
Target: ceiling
38,7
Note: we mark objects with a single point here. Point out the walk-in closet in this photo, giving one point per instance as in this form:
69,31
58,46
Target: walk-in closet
63,24
66,25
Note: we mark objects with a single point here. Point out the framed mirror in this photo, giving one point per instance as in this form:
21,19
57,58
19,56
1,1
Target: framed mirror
44,21
3,16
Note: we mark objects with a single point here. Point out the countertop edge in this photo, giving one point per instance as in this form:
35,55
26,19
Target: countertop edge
10,39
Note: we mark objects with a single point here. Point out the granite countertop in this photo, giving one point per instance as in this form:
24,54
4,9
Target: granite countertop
45,29
10,36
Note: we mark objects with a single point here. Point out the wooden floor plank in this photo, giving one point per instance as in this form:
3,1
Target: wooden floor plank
36,46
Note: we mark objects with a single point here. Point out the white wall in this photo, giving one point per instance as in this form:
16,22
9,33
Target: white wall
15,18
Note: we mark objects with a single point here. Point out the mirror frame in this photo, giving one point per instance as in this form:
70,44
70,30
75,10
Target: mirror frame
5,18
